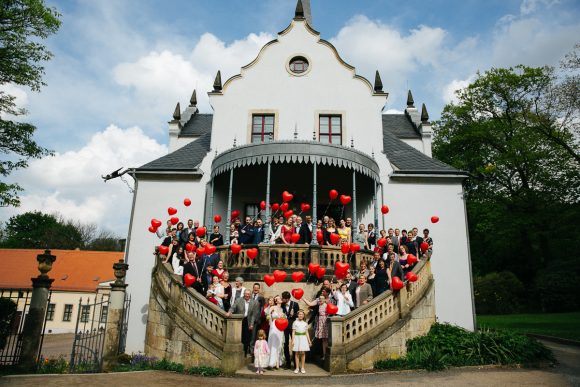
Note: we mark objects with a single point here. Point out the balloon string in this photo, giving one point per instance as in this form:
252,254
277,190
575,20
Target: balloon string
342,211
327,206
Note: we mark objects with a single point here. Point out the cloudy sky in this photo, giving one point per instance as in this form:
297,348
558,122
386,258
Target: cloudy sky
120,66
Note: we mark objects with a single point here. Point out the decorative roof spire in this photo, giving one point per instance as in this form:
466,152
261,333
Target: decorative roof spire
299,13
193,99
424,114
235,142
378,83
217,84
410,101
177,113
352,142
295,131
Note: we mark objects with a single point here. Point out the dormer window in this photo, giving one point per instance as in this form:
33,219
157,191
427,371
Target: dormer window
298,65
262,127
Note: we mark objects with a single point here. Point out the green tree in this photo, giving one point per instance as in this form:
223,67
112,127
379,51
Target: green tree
23,23
515,131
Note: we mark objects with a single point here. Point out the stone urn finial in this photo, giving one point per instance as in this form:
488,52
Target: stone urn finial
120,270
45,262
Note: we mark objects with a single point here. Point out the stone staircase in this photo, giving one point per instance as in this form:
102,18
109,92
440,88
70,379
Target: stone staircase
185,327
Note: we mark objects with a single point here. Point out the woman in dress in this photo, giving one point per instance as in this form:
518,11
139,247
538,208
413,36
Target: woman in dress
215,237
360,237
394,270
177,261
344,232
265,315
219,270
233,234
371,279
286,231
215,293
363,270
261,352
404,253
321,322
301,341
276,336
343,300
227,290
381,278
331,229
179,230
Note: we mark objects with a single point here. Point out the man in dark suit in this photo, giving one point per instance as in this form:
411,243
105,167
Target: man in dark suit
351,285
258,232
246,232
306,231
184,234
290,309
250,309
192,267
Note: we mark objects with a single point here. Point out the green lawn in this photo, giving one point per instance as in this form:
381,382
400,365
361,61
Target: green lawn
564,325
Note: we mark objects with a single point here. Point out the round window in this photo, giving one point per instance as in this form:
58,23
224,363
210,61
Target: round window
298,65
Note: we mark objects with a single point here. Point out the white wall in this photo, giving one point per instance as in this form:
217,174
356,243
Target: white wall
412,203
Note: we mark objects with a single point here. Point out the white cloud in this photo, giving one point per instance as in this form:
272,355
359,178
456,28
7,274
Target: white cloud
530,6
21,97
70,183
449,90
162,78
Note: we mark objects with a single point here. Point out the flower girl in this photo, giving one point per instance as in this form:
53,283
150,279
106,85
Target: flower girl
301,341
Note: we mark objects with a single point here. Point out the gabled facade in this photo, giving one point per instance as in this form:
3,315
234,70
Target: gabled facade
298,118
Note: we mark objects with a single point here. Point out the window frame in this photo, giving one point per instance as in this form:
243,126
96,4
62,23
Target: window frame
330,133
85,313
50,309
67,313
299,59
104,314
265,136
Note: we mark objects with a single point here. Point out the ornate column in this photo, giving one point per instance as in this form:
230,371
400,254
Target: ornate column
229,214
32,331
354,221
115,316
267,222
210,216
314,205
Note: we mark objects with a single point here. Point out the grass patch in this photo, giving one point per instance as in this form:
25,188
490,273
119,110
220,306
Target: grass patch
563,325
140,362
450,346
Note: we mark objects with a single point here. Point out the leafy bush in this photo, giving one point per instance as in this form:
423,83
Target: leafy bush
7,312
141,362
558,290
52,366
498,293
450,346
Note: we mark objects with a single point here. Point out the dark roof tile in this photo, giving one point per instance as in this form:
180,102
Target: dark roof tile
400,125
197,125
187,157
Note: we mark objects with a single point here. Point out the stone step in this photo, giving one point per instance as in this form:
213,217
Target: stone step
312,371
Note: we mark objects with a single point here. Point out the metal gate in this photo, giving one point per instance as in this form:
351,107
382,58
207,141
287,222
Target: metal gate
87,349
124,323
11,328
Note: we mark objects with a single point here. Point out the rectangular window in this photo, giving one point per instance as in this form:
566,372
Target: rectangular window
262,128
104,314
330,129
50,312
67,315
85,312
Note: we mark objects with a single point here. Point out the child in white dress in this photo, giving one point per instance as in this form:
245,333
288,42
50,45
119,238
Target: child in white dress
261,352
301,341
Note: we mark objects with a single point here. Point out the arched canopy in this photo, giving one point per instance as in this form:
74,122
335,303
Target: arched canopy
295,152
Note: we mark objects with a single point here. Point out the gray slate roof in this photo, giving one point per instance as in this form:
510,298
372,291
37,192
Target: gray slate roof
197,125
185,158
400,125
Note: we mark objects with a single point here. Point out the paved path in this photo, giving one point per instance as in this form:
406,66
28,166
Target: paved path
565,374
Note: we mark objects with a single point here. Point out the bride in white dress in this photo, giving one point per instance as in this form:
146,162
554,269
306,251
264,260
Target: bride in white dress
276,336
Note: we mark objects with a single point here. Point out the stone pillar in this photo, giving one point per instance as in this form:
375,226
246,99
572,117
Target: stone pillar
32,331
264,254
115,316
233,353
403,304
336,349
315,253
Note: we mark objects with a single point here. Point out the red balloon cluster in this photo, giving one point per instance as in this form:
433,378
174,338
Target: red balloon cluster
354,247
200,251
345,248
382,242
320,272
189,247
210,249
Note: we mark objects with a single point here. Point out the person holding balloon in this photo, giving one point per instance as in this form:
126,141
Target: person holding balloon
286,231
344,232
321,320
343,299
394,269
215,237
330,229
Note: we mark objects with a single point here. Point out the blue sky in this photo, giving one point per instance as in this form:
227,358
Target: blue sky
119,67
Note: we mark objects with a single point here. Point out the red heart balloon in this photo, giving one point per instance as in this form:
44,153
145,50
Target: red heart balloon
297,293
345,248
411,259
284,207
340,274
163,250
279,275
200,251
200,232
334,238
287,196
305,207
354,247
152,229
342,266
281,324
434,219
189,247
174,220
313,267
297,276
412,277
382,242
331,309
295,237
319,236
344,199
262,205
171,211
397,284
235,248
275,207
424,246
210,249
156,223
333,194
269,279
320,272
217,218
252,253
288,214
235,214
186,202
188,279
385,209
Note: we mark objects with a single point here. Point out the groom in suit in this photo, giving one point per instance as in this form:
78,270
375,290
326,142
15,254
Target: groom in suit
290,309
250,309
